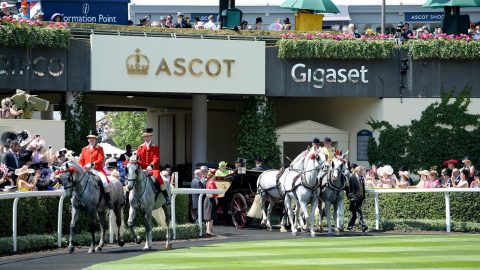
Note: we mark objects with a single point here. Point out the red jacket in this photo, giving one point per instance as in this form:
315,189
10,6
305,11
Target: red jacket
95,155
148,157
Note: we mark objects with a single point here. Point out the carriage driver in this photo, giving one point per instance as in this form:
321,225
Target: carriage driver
148,155
327,148
92,158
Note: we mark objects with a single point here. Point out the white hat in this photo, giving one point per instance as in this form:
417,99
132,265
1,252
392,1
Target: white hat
23,170
5,5
387,169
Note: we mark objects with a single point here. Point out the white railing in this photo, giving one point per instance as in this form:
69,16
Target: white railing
61,193
17,195
201,192
446,191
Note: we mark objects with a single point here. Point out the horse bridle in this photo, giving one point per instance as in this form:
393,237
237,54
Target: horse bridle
317,168
330,183
73,186
135,180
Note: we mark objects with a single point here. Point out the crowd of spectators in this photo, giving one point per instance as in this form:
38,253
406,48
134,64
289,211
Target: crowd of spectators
7,11
212,23
452,176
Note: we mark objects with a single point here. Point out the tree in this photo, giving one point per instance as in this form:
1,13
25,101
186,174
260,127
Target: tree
257,136
77,122
128,127
444,131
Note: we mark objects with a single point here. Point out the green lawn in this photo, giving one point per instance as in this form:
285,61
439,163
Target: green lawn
356,252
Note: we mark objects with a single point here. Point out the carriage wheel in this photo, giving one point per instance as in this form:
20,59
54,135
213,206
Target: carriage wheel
239,207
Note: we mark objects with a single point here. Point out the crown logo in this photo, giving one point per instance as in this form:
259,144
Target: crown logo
137,63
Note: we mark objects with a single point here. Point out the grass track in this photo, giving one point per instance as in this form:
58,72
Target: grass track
459,251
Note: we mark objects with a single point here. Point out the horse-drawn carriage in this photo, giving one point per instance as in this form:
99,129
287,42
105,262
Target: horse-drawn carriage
240,190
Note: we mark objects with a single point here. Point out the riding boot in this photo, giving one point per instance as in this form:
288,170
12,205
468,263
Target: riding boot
108,200
167,198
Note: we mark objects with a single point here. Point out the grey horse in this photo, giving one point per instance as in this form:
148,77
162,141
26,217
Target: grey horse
143,198
332,189
84,189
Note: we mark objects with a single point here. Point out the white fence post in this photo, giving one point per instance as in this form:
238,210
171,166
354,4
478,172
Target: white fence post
14,223
174,219
377,213
200,214
60,221
447,211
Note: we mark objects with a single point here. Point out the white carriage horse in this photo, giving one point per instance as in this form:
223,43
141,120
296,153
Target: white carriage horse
333,185
304,188
270,189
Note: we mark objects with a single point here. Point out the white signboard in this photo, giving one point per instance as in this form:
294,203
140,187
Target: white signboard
170,65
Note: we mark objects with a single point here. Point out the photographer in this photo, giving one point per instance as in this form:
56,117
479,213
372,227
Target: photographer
405,30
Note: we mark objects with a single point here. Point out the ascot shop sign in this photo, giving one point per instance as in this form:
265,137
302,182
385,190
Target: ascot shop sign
149,64
300,73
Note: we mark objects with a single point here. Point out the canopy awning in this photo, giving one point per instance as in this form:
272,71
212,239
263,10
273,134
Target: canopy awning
342,16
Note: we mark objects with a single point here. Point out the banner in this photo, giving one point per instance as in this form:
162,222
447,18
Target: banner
171,65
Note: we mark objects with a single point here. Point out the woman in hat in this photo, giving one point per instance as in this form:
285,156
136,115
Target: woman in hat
24,12
7,111
451,163
423,179
286,24
22,179
387,178
92,158
433,181
464,174
258,23
210,204
467,164
403,182
148,157
5,9
222,170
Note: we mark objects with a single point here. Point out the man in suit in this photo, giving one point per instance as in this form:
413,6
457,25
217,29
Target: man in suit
199,183
12,160
259,165
92,159
356,195
148,158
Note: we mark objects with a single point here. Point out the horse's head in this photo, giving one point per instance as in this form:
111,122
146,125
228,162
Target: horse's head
67,175
133,171
339,167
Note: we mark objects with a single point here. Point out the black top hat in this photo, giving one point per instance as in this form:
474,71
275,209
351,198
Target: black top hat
239,160
92,133
258,159
147,131
403,168
243,22
25,156
327,139
258,20
35,166
43,165
286,21
465,158
316,141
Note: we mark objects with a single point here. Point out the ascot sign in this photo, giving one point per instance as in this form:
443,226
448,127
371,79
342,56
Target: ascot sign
301,74
177,65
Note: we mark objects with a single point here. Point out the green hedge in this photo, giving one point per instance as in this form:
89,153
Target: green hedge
464,207
16,34
38,242
39,215
335,49
445,49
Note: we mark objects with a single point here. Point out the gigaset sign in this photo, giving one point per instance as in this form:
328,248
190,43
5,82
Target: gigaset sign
319,76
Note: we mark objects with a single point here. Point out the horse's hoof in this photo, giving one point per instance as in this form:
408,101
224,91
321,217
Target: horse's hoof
146,249
71,249
138,240
91,250
282,229
312,234
269,228
121,243
98,249
294,233
264,222
168,246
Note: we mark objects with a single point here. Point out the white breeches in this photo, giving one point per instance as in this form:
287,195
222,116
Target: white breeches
102,177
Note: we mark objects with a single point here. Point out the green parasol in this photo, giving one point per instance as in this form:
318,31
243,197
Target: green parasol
323,6
451,3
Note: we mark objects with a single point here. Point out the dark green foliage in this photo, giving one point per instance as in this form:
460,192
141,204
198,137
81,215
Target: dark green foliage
38,242
256,136
128,127
444,131
39,215
77,122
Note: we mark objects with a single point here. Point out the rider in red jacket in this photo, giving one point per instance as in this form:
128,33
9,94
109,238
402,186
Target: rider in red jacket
92,158
148,158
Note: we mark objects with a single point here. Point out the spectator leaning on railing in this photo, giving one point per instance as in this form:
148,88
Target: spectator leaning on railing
476,180
463,183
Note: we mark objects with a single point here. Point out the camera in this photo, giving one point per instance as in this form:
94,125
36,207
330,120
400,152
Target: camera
399,27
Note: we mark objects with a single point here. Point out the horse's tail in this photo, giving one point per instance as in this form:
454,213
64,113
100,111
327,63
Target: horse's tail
159,216
256,209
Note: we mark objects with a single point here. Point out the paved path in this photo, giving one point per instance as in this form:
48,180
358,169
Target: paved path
61,259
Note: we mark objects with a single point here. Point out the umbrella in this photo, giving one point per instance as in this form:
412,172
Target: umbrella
326,6
451,3
110,149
